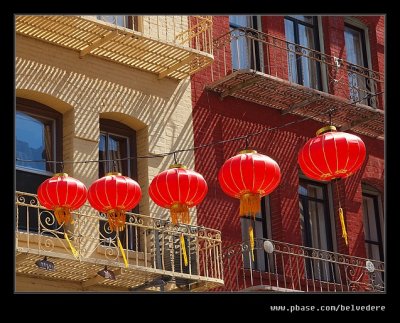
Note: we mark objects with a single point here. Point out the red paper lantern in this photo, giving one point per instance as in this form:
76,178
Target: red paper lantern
62,194
178,189
114,194
249,176
331,154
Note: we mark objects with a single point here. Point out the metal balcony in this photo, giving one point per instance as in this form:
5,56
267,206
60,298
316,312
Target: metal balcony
267,70
284,267
151,247
169,46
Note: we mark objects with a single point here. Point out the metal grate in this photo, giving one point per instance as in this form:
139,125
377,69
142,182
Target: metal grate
177,59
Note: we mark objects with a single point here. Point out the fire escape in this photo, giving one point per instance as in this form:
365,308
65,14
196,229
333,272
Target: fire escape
165,45
267,77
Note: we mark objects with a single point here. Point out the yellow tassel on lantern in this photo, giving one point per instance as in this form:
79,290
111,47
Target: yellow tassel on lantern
251,236
116,220
250,204
63,215
344,232
183,247
179,213
74,252
122,252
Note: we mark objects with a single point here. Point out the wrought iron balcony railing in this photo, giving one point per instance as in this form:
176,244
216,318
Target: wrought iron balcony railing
267,70
284,267
151,246
170,46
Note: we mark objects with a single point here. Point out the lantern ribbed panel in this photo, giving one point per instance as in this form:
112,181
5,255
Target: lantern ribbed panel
249,173
62,191
178,185
332,155
114,192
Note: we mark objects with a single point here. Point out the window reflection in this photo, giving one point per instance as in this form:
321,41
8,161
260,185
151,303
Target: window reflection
34,141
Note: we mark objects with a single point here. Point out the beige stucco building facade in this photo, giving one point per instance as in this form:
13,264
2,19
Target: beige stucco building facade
86,88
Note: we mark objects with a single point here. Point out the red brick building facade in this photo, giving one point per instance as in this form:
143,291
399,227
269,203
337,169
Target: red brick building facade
253,85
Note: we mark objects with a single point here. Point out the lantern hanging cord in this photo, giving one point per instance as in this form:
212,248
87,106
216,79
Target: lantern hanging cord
247,142
62,167
162,155
337,190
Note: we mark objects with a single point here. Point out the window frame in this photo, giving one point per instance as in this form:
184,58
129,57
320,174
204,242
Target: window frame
259,56
317,41
118,129
40,110
356,25
363,42
28,179
379,221
327,202
332,273
132,22
264,217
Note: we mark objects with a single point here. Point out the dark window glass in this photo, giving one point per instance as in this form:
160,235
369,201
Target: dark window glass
372,227
303,69
260,228
315,226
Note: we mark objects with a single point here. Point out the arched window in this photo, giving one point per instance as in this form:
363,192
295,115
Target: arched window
118,141
38,140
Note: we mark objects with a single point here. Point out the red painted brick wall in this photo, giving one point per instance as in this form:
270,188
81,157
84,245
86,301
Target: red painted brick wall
215,120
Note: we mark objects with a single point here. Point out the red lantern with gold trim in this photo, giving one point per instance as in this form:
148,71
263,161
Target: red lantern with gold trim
249,176
178,189
62,194
331,154
114,194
